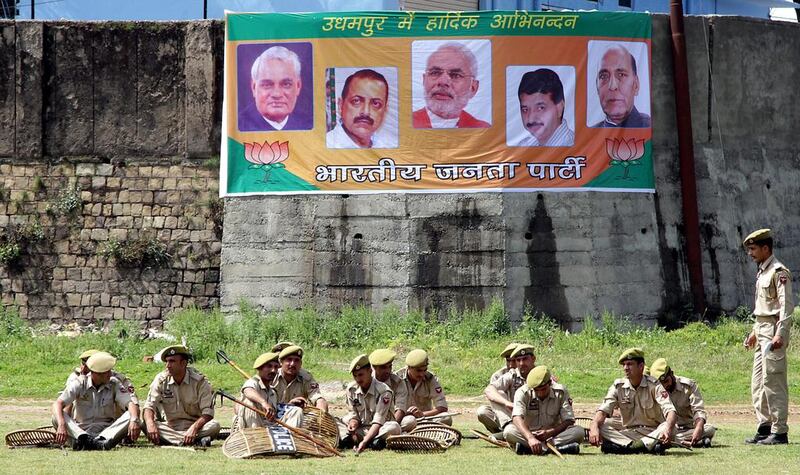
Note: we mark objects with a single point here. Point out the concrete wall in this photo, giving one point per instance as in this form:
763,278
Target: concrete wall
129,113
564,254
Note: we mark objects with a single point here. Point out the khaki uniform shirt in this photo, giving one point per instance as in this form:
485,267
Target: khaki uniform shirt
497,374
543,413
182,404
646,405
774,294
126,383
509,383
303,385
266,391
426,395
372,407
92,404
399,389
687,400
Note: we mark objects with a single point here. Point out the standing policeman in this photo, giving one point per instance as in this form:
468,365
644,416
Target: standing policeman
769,386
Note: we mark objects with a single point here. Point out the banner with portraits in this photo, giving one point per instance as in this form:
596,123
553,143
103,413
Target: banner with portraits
388,102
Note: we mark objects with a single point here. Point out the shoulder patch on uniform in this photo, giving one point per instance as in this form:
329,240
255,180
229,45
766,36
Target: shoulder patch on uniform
313,385
438,389
387,398
782,278
664,394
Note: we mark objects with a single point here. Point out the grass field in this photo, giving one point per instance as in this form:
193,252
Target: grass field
463,349
729,455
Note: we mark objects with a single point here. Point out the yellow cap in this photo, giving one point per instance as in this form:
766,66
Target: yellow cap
538,376
86,354
522,350
361,361
631,354
506,353
381,357
264,359
756,236
659,368
100,362
289,351
278,347
175,350
417,358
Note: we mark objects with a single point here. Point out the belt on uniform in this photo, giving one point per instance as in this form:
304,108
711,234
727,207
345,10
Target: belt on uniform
767,318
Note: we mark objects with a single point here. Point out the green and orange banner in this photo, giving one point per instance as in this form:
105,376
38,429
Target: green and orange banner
387,102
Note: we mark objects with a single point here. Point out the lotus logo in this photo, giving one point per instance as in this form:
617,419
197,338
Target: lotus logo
266,156
625,153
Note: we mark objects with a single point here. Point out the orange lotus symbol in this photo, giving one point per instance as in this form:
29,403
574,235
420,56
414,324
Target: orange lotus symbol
625,152
266,156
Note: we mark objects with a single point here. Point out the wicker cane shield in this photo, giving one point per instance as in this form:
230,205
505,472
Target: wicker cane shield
31,438
269,442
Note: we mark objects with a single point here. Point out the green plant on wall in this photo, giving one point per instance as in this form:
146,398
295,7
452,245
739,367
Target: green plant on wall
67,203
16,241
143,252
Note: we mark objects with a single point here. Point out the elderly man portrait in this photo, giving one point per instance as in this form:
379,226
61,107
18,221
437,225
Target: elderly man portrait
541,109
363,105
450,82
275,86
618,84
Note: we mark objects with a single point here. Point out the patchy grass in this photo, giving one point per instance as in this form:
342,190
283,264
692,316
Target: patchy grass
462,347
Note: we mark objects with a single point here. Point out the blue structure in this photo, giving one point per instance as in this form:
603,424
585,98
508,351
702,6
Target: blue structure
751,8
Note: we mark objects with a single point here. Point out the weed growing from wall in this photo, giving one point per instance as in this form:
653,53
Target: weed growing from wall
142,252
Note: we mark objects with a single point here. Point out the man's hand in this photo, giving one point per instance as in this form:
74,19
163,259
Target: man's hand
535,445
777,342
750,341
270,412
134,429
543,434
415,411
666,436
299,401
152,433
697,435
594,435
61,434
189,436
360,447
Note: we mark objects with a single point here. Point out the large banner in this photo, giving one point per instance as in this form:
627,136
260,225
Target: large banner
387,102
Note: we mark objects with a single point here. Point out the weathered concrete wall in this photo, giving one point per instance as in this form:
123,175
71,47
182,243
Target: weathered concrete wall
145,100
125,119
565,254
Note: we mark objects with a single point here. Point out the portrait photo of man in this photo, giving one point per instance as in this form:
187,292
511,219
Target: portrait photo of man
451,84
540,109
275,90
366,108
619,84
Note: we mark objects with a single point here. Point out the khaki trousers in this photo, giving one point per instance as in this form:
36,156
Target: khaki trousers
685,433
388,428
408,423
115,432
624,436
494,417
571,434
292,416
769,386
170,436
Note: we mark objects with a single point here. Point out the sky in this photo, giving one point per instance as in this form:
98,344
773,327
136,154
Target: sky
184,9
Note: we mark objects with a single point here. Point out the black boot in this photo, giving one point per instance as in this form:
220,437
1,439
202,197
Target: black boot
204,441
100,443
522,449
659,448
775,439
378,444
608,447
761,433
570,449
83,442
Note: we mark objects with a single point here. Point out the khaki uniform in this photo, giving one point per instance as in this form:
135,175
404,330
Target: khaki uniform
303,385
497,416
689,406
543,414
426,394
247,418
126,383
375,406
400,391
181,405
643,409
497,374
94,409
769,386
